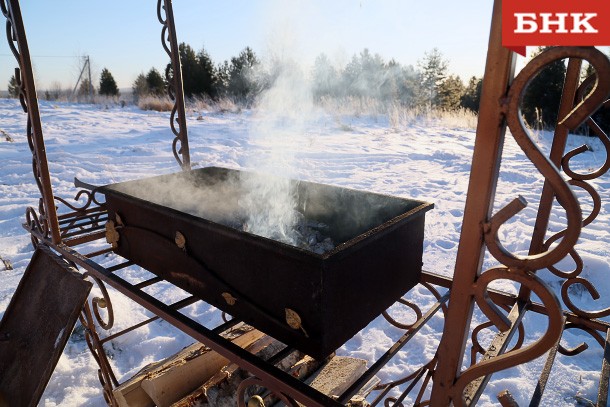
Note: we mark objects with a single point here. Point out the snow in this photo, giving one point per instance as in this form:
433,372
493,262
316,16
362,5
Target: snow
427,161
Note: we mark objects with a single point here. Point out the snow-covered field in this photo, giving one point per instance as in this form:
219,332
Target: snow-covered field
424,160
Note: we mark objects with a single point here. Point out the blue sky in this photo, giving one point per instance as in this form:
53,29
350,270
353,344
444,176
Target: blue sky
124,36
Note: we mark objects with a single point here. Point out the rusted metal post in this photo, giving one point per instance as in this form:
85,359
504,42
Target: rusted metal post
175,84
29,101
489,142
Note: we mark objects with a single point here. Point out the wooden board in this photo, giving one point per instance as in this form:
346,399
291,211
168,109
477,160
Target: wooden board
191,369
163,382
221,389
36,326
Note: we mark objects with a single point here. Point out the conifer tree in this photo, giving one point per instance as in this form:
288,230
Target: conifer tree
449,93
242,84
433,71
223,75
107,84
84,88
198,73
140,87
543,95
472,94
188,60
206,84
155,83
13,88
324,77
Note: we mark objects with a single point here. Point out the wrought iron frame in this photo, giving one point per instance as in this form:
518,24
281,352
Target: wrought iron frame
443,380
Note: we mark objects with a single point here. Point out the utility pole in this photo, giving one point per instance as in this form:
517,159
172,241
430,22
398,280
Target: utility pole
86,64
90,82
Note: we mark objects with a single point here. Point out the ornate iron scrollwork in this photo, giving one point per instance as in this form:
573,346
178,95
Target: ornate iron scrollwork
90,316
581,180
173,75
520,269
242,393
45,221
547,253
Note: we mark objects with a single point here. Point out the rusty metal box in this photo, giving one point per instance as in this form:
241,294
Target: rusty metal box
313,302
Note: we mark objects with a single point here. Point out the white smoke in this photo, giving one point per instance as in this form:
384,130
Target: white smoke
282,116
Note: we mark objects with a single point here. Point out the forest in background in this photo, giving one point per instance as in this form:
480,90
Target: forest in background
366,78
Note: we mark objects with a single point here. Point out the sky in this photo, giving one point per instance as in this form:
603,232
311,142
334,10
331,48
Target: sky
125,36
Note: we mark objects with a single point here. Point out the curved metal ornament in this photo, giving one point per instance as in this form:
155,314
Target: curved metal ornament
175,89
242,393
89,318
45,222
515,356
470,285
580,180
520,269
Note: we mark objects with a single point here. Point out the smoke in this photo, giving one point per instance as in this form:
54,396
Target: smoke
214,197
282,115
262,200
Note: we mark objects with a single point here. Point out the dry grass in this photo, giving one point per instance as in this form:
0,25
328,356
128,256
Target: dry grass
159,104
460,119
227,105
399,115
353,106
222,105
196,104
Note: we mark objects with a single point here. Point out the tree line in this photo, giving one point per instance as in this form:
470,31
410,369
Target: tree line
237,79
244,77
427,85
107,87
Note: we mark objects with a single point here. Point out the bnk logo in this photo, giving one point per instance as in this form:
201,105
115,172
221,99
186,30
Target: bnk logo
555,22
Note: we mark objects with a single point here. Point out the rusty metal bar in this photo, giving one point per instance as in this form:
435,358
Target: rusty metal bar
29,101
281,355
372,371
119,266
85,213
489,142
503,298
82,239
148,282
72,224
498,346
410,387
99,252
80,232
546,373
268,374
226,326
175,87
105,374
177,305
101,215
602,393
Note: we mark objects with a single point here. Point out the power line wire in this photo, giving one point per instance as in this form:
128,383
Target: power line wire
43,56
